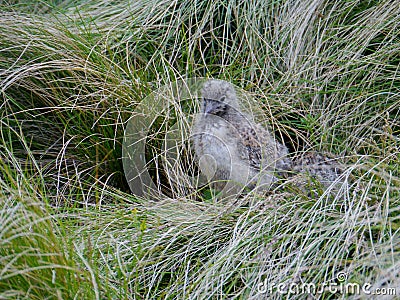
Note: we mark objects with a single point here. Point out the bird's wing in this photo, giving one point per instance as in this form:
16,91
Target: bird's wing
263,151
252,144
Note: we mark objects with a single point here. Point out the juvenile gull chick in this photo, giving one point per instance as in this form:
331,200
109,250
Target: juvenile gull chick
325,168
232,150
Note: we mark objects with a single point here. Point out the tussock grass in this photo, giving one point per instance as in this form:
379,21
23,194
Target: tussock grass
37,259
325,74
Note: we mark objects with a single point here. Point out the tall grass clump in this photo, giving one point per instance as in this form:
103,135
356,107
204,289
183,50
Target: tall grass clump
326,77
38,261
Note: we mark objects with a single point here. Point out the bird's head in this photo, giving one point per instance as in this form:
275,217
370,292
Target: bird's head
218,97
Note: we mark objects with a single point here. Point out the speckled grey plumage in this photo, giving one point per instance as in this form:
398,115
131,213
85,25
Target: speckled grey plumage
231,147
323,167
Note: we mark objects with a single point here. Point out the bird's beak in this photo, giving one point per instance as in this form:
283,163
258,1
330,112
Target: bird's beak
208,106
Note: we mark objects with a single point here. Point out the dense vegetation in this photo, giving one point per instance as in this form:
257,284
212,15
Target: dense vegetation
326,74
